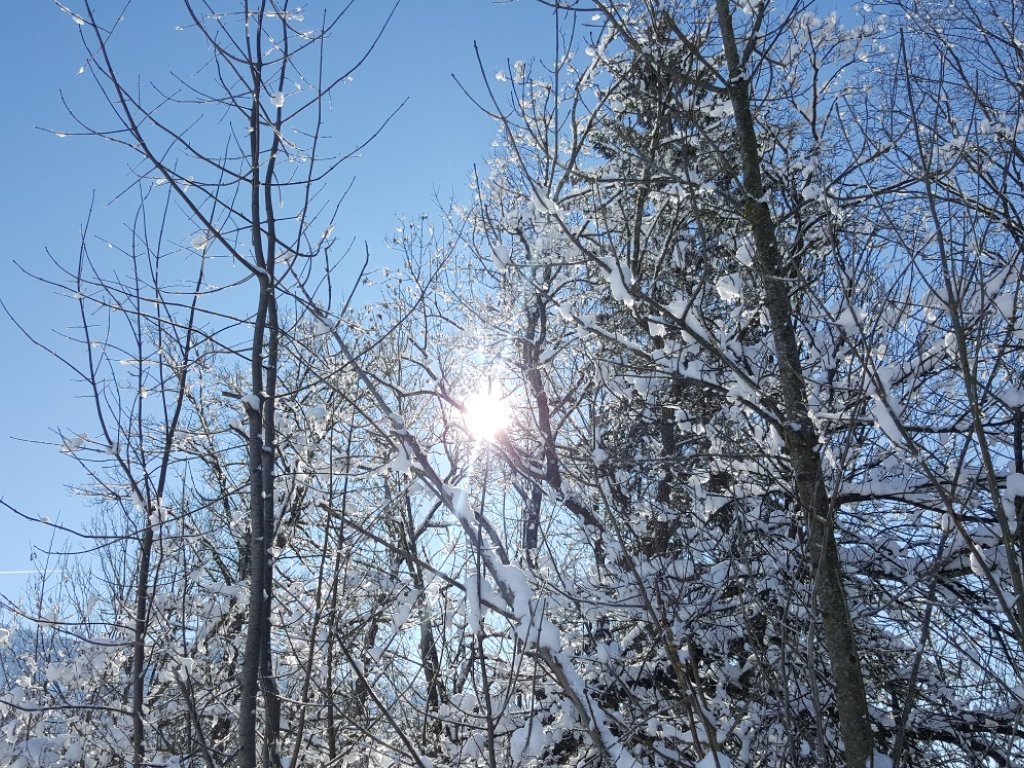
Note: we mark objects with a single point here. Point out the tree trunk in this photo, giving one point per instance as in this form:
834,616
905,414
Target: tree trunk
798,432
139,642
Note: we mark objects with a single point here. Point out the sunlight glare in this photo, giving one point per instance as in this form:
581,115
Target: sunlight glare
486,414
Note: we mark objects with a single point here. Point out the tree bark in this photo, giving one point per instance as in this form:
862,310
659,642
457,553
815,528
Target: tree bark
798,432
139,642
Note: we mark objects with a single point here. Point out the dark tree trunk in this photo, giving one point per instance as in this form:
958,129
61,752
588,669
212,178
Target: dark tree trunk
799,433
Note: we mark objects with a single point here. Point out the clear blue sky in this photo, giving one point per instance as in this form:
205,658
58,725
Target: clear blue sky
429,148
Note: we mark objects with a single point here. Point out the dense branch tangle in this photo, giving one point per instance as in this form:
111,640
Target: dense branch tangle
760,501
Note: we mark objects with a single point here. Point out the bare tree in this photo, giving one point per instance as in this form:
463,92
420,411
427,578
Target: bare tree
228,187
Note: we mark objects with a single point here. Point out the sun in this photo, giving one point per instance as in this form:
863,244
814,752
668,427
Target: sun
486,414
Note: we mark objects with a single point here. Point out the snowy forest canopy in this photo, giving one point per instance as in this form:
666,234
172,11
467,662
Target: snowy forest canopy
694,437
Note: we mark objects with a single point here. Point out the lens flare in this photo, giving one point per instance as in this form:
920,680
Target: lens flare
486,415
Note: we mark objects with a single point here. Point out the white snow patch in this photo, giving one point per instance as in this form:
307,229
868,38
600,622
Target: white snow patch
677,308
200,241
1013,398
744,254
884,421
977,567
74,443
543,203
527,742
402,463
1015,486
501,257
473,613
851,319
1005,303
812,192
730,287
404,609
620,279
